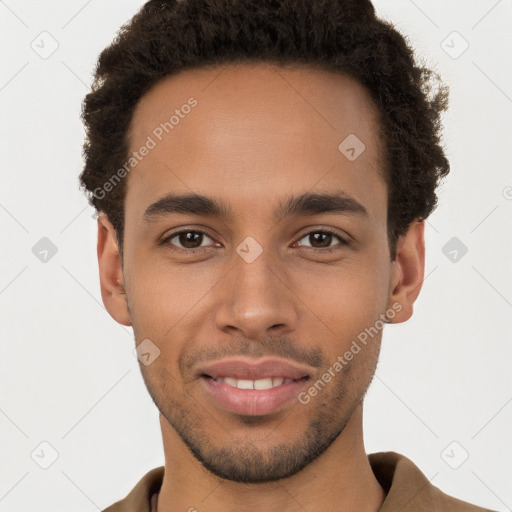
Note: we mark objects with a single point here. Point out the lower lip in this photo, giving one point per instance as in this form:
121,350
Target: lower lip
253,402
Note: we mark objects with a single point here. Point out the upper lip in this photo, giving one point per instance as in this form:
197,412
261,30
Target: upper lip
251,369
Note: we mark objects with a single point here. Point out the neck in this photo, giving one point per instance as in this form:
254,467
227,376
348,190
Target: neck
340,478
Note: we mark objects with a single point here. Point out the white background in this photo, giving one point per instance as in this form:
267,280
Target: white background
68,375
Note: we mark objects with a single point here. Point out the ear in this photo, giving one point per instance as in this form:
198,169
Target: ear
408,272
111,272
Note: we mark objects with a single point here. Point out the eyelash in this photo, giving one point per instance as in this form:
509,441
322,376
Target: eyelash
197,250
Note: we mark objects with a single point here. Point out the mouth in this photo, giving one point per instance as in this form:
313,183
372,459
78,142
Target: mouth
243,386
245,398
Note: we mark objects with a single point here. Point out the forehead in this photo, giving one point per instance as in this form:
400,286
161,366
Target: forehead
289,95
253,128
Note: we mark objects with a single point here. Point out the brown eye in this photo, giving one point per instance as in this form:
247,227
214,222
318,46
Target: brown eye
323,240
187,239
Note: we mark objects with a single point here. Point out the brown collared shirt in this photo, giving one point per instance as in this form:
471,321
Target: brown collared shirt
407,489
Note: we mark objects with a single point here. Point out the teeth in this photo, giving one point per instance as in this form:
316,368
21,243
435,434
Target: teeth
263,383
266,383
245,384
230,381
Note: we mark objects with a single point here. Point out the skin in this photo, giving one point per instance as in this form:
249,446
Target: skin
258,134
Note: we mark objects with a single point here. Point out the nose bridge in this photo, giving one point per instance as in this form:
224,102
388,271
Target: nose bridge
256,297
255,266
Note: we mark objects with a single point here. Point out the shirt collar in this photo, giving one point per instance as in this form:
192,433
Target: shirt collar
407,488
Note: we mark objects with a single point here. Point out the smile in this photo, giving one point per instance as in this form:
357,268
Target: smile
252,397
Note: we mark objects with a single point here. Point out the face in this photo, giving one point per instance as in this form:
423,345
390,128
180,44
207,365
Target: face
284,260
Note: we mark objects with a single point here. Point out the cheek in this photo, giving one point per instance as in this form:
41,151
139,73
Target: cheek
161,294
347,296
344,316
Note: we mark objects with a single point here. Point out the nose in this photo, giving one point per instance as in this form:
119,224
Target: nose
257,299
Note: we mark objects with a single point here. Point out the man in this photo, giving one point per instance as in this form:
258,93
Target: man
262,172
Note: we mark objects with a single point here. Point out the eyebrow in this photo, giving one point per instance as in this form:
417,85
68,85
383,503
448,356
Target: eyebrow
306,204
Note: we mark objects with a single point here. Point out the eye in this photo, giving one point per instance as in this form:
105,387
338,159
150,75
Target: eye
186,240
322,239
190,241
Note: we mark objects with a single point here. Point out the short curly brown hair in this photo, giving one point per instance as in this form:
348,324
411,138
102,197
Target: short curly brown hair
343,36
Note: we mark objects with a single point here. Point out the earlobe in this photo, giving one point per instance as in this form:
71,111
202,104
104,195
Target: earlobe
408,272
111,273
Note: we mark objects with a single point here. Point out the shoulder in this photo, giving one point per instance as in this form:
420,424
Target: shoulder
408,489
138,499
